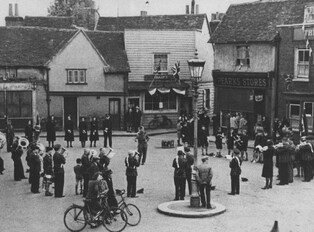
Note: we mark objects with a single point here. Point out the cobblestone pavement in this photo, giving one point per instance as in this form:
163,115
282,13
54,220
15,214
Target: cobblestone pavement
253,210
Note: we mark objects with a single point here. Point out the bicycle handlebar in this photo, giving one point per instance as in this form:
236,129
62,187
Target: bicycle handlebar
120,192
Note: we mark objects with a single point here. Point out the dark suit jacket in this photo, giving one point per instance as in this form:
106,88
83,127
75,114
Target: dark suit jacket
235,166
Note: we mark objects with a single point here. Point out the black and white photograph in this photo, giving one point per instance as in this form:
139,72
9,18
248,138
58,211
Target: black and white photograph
156,115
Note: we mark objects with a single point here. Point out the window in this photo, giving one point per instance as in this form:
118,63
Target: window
76,76
167,101
308,111
207,98
243,56
161,63
302,63
309,14
294,115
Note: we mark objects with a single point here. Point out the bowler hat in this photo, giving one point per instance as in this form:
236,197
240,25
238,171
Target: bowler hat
56,147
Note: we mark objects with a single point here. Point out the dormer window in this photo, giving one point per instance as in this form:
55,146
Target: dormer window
243,57
160,63
309,14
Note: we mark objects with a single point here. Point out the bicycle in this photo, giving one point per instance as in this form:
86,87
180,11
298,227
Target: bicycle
133,213
156,123
76,217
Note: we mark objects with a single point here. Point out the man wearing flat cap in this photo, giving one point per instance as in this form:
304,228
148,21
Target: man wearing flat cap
235,165
59,161
204,178
305,151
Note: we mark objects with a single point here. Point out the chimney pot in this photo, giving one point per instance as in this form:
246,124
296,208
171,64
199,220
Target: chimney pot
10,10
197,9
192,6
187,9
16,10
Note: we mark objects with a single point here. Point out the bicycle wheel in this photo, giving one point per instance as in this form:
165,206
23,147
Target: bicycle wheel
75,218
153,124
168,123
115,220
133,213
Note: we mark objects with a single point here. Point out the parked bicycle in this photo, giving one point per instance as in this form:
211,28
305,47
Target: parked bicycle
132,211
76,217
156,122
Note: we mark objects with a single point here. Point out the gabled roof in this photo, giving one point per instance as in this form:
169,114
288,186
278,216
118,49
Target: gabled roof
152,22
257,21
35,46
51,22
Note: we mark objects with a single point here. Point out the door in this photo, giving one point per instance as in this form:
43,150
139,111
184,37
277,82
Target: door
114,111
70,108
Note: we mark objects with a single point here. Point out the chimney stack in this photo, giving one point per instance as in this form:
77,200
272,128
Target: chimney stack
192,6
10,10
197,9
187,9
16,13
143,13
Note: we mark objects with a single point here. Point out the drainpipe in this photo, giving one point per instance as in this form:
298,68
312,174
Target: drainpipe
48,92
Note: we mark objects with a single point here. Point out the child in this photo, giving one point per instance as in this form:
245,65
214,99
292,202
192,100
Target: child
78,175
218,142
204,140
230,143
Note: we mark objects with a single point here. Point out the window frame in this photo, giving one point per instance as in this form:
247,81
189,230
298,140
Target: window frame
239,59
311,116
172,110
73,79
295,120
297,64
309,14
166,71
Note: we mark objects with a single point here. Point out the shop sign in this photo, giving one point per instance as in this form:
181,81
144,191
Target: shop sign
15,86
241,80
303,34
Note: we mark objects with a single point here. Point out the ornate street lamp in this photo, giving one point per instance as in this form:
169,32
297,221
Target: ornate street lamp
196,67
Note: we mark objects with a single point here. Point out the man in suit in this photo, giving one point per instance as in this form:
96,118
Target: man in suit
235,165
34,169
204,178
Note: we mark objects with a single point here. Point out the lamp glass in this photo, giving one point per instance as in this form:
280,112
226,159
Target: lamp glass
196,67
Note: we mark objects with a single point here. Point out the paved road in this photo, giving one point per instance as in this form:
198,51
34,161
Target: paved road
253,210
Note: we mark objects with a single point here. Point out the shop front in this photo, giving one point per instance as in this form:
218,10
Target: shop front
246,93
159,97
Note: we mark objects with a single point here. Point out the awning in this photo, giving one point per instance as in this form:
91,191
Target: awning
162,84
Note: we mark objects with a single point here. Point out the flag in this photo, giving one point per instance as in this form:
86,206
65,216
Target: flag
176,70
307,43
310,51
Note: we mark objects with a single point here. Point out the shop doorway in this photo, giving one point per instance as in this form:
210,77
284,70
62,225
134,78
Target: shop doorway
70,108
114,111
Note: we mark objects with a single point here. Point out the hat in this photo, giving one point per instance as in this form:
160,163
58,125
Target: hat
56,147
205,157
49,149
131,153
236,151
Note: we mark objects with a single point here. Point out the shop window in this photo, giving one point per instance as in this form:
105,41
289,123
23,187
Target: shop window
308,112
161,63
160,101
294,115
76,76
243,56
302,63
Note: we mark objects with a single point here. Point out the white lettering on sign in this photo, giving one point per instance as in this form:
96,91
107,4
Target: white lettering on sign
309,14
309,32
15,86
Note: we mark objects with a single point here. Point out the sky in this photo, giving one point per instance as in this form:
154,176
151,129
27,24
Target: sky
114,8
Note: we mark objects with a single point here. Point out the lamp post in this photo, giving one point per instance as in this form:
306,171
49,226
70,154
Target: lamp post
196,67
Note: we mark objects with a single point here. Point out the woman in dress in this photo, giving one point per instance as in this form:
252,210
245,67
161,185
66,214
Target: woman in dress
68,127
268,164
51,131
83,131
93,132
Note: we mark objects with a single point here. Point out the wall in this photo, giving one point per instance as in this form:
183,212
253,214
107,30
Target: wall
262,58
72,57
142,44
114,82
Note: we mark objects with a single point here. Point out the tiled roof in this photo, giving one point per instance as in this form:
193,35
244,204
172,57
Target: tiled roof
257,21
111,46
52,22
35,46
154,22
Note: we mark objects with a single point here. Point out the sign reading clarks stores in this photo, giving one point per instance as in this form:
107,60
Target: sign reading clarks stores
244,80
